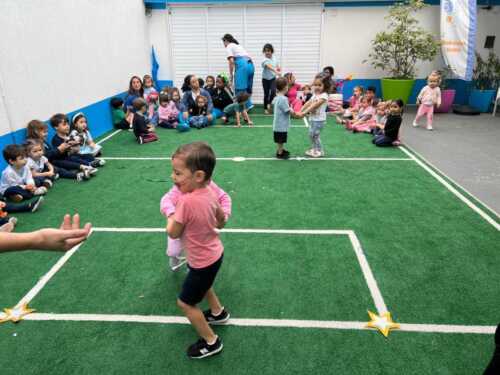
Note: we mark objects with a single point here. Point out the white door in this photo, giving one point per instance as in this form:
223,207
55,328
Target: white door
293,30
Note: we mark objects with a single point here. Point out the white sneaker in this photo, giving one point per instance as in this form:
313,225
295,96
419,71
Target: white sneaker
429,127
415,124
310,152
90,170
176,262
317,154
40,191
47,183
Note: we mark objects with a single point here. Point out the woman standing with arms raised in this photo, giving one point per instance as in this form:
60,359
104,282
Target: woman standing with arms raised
241,67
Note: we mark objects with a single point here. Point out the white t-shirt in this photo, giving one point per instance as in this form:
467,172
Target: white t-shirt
235,50
320,113
37,165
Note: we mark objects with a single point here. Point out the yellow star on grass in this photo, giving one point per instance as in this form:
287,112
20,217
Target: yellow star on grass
15,314
383,323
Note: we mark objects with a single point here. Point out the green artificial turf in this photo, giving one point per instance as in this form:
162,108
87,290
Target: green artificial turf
434,259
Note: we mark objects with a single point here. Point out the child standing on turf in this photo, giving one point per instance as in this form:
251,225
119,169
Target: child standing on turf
281,120
428,97
316,108
196,218
167,208
270,69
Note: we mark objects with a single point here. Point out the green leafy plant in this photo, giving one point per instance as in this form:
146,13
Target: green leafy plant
486,74
398,49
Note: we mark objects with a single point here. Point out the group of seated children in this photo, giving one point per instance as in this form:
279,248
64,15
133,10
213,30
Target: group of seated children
367,114
144,109
34,167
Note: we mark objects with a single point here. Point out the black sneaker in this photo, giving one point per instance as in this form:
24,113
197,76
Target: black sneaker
280,156
35,204
286,154
200,349
222,318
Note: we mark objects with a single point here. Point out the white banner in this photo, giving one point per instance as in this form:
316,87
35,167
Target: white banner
458,36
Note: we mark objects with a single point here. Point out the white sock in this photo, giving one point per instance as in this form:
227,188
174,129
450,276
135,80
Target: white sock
213,342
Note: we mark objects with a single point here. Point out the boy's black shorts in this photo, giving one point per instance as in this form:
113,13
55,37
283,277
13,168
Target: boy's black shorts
280,137
198,281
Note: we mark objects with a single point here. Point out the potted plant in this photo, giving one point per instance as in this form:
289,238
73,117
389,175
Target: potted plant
486,80
398,49
447,93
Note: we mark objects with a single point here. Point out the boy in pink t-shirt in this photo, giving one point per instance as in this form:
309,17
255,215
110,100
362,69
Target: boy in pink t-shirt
197,217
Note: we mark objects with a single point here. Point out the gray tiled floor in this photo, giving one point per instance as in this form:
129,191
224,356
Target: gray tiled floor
465,148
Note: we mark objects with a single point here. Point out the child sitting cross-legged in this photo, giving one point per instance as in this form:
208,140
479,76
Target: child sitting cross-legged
389,135
144,132
198,113
365,113
80,131
238,110
121,120
42,171
17,183
168,114
197,217
348,113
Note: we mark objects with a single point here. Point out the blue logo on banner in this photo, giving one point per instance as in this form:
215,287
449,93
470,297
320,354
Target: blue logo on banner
448,6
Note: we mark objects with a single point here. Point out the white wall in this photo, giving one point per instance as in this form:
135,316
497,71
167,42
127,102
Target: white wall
159,34
60,55
348,33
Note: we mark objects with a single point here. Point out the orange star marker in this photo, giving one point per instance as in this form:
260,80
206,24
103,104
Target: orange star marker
383,323
15,314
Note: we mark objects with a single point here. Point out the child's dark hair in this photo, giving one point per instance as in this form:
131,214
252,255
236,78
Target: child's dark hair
138,104
281,83
201,82
116,102
229,38
58,119
186,85
164,98
12,152
34,127
372,89
75,118
147,76
198,156
131,90
329,69
242,97
31,144
400,103
201,98
211,77
324,80
165,90
268,47
223,79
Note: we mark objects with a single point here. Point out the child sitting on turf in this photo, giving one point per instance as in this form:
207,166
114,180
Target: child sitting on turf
17,183
42,171
366,113
197,217
148,85
167,208
222,96
81,132
168,114
378,122
370,94
143,132
37,130
388,136
210,85
175,95
238,109
353,108
120,119
281,120
198,113
60,124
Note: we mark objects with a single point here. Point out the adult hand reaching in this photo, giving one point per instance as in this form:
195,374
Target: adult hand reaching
66,237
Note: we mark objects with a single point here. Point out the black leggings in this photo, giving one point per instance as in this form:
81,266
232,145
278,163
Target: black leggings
269,86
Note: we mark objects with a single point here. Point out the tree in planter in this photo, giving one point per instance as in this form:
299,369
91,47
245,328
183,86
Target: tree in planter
404,44
486,74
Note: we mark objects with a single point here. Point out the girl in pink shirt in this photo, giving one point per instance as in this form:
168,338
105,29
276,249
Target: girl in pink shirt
293,89
365,114
429,97
167,208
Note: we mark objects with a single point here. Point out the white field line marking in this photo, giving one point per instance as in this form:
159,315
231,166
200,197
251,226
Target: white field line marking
46,278
367,273
321,324
452,180
250,127
108,137
459,195
259,159
328,232
378,300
